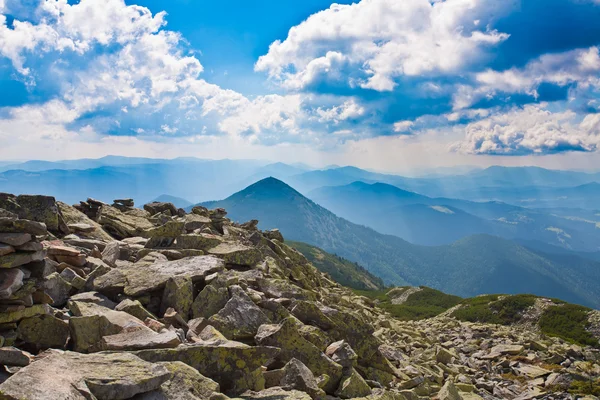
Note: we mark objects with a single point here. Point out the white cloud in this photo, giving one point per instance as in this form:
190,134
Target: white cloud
403,126
381,40
348,110
532,129
581,66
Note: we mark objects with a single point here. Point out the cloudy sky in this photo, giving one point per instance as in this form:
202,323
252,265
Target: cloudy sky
384,84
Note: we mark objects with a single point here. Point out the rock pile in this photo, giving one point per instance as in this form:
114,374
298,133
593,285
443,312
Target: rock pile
104,301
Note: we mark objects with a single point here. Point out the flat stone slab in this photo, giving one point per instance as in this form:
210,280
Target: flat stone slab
14,260
15,239
140,339
236,253
511,349
6,249
141,278
15,316
74,376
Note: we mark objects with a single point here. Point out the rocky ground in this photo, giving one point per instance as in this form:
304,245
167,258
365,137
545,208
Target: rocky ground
102,301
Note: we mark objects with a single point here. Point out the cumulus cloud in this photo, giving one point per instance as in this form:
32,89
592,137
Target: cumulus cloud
581,66
117,70
532,129
382,40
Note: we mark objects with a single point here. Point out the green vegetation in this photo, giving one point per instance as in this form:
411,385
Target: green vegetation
568,322
345,272
495,310
585,387
426,303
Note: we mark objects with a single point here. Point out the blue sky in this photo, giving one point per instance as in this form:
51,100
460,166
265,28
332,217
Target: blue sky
383,84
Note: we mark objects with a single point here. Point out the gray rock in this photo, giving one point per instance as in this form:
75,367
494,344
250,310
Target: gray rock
111,376
10,281
111,253
240,318
134,281
15,239
138,339
297,376
12,356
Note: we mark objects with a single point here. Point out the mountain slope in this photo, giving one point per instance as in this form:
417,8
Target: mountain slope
341,270
472,266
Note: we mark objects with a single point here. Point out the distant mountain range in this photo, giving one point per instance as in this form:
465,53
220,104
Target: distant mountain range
433,221
200,180
471,266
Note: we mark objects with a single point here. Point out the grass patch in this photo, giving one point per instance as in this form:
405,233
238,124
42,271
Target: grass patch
426,303
568,322
493,310
585,387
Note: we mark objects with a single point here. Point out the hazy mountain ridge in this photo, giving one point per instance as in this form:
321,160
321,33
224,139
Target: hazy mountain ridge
434,221
474,265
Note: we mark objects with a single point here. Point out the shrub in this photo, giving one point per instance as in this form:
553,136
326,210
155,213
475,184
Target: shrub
569,323
489,309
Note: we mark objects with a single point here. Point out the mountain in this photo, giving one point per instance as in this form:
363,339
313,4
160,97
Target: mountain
474,265
434,221
176,201
526,186
261,322
345,272
193,179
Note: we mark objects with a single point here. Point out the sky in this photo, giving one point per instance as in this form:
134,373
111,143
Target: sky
383,84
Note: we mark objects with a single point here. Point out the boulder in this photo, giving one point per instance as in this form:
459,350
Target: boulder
96,298
6,249
209,301
134,280
171,229
57,288
296,375
342,353
278,288
14,260
185,384
353,385
29,312
511,349
138,339
35,208
135,308
240,318
237,254
157,207
77,376
11,356
15,239
122,225
111,253
449,392
44,332
88,331
10,281
275,393
286,336
235,366
197,241
179,295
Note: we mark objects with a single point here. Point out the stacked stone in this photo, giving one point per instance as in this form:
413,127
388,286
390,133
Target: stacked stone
22,269
91,208
124,205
